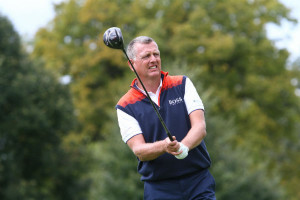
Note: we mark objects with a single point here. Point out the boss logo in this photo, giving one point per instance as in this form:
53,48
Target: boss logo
175,101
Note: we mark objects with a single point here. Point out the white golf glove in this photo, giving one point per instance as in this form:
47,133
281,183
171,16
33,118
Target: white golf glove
185,151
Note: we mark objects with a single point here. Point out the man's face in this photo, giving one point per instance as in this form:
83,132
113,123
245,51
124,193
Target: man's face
147,62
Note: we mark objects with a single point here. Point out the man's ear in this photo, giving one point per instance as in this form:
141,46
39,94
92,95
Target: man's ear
130,64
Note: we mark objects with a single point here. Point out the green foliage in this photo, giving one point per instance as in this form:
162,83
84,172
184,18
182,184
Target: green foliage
36,114
115,173
252,109
236,175
72,48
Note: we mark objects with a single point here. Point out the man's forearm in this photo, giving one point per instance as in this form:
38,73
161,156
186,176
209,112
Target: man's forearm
194,137
198,130
149,151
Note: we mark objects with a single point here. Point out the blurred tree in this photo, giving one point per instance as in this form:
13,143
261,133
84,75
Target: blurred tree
222,43
115,174
72,49
36,114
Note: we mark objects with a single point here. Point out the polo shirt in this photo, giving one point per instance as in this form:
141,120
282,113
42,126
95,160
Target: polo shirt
130,127
175,99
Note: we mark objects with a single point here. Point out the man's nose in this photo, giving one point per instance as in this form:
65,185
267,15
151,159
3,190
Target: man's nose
152,58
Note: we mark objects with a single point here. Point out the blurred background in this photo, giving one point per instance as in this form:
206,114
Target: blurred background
59,137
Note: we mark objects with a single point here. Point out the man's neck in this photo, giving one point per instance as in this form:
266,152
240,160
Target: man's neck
151,85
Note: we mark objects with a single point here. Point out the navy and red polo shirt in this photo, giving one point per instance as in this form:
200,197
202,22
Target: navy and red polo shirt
172,108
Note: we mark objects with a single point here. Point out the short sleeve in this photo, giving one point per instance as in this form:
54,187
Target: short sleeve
191,98
129,126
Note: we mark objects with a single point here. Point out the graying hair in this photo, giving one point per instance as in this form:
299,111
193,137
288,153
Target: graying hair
141,40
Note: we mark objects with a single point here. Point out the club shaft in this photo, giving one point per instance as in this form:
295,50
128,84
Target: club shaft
148,96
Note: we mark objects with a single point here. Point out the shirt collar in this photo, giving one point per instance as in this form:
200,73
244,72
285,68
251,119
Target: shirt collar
140,89
163,75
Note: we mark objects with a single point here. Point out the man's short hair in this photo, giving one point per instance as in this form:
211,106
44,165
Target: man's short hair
141,40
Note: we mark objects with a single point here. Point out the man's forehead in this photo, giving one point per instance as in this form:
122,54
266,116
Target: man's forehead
141,47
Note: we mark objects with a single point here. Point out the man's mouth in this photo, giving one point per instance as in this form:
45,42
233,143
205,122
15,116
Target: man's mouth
153,67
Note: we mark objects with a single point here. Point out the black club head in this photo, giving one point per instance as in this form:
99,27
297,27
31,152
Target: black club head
113,38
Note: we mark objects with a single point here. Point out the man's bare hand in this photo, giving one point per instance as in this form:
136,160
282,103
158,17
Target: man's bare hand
172,147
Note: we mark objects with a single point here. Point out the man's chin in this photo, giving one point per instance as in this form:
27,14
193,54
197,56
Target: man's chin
155,72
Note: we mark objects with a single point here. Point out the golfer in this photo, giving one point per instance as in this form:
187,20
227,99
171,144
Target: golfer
169,169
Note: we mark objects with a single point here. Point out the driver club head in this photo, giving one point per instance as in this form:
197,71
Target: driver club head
113,38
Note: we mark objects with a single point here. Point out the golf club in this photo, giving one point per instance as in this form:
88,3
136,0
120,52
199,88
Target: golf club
113,38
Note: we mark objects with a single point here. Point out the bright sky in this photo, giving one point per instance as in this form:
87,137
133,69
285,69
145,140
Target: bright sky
30,15
288,34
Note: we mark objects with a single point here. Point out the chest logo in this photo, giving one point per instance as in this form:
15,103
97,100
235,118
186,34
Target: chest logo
176,101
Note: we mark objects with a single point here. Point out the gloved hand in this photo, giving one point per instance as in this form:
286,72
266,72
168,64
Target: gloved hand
185,151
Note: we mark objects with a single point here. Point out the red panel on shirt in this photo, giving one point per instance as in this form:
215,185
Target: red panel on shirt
171,81
131,97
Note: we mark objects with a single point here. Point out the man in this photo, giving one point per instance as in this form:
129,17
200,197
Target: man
169,169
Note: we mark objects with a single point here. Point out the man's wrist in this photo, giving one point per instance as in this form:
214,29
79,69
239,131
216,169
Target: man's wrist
184,153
